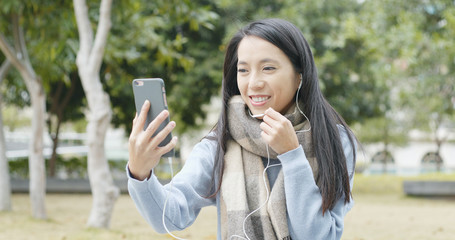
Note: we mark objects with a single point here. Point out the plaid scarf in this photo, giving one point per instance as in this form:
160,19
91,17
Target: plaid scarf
242,189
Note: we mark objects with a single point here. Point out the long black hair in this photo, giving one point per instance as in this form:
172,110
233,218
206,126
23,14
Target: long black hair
333,174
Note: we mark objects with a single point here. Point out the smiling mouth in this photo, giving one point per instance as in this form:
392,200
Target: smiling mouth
259,99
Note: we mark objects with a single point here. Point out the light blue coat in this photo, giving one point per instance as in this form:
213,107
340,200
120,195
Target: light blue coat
193,182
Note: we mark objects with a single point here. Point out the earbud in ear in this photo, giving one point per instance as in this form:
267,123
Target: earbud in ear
301,81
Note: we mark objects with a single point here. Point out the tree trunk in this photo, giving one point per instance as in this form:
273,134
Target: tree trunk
5,184
386,149
105,193
439,161
57,108
21,61
53,159
36,159
89,58
438,140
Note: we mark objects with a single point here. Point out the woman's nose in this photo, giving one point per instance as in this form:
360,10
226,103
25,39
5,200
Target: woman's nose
256,82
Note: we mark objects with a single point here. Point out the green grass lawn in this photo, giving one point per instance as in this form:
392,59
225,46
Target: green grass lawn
381,211
392,184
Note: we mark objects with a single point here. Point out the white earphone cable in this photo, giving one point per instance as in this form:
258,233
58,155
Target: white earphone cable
167,198
300,110
263,177
264,203
268,165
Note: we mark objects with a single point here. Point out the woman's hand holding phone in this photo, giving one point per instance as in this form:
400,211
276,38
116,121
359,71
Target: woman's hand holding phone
144,152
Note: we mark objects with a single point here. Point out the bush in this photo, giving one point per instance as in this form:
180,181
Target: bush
19,168
72,167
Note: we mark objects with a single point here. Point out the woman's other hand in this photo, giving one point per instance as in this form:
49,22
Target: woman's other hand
144,152
278,132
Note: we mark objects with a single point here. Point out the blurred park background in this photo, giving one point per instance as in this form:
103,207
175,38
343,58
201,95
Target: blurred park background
66,67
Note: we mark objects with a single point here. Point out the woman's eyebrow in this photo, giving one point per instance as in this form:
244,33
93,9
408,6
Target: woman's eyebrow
265,60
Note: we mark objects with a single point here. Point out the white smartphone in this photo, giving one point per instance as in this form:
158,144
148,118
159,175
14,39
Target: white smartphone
152,89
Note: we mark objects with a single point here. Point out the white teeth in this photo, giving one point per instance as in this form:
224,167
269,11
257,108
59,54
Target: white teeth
259,99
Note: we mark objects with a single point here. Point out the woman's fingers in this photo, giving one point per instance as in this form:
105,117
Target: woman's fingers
271,113
278,132
139,120
153,126
273,122
160,136
266,127
165,149
144,151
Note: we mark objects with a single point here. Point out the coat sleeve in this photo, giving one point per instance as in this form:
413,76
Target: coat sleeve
185,193
304,200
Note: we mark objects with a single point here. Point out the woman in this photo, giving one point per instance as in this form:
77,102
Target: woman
279,163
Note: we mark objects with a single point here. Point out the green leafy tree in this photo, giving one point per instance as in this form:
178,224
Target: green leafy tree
178,41
430,101
383,29
89,59
415,52
52,45
55,49
64,104
17,53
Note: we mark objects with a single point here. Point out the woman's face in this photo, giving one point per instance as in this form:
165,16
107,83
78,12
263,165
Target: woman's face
265,76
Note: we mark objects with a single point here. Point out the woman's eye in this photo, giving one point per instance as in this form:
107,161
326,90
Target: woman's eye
269,68
241,70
